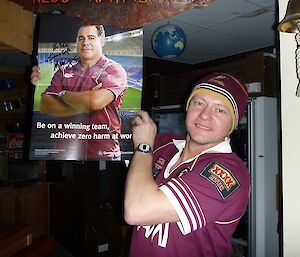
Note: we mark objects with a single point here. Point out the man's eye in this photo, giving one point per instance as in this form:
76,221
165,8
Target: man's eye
220,110
199,103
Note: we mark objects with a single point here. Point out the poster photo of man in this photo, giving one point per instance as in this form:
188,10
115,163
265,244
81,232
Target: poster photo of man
88,92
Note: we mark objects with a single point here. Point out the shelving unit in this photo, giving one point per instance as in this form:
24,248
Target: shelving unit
20,92
16,35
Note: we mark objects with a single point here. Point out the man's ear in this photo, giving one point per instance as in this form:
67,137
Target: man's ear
102,41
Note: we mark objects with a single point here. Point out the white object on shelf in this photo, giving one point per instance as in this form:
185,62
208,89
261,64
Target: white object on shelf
254,87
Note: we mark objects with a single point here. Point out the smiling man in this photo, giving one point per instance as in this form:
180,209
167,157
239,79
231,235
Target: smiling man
90,91
199,191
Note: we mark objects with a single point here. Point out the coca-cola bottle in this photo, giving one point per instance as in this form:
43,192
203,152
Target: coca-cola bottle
15,141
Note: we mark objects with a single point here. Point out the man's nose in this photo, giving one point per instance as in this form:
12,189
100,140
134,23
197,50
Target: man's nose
205,113
85,41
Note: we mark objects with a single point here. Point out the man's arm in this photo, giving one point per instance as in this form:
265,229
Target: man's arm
145,203
51,105
88,101
114,83
73,103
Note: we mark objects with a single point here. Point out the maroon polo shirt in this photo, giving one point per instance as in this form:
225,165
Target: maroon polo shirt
209,193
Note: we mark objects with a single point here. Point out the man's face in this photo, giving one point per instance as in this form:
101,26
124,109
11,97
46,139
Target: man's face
208,120
89,44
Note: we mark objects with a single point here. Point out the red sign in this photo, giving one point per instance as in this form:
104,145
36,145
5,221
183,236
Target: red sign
15,143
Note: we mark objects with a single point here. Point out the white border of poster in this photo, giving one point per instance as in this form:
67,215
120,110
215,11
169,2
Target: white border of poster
59,138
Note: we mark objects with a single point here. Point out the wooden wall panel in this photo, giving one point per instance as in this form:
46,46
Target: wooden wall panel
16,29
8,205
254,67
26,205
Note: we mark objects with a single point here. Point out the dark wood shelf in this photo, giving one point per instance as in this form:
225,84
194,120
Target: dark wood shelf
14,237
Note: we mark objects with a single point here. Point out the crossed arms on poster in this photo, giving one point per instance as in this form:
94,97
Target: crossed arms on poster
68,103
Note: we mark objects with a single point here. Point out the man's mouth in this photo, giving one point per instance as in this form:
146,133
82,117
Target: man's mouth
202,127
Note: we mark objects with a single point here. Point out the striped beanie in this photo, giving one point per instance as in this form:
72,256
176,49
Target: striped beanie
225,86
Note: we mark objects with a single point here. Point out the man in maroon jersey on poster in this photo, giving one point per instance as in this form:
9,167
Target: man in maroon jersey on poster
186,196
87,97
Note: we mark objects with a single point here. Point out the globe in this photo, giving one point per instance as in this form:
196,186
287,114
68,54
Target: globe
168,41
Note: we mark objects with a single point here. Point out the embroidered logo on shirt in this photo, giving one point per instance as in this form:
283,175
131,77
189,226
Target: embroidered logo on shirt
161,161
158,165
155,171
222,178
184,171
68,75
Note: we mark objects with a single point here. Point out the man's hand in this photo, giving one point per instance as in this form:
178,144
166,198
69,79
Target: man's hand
35,75
144,129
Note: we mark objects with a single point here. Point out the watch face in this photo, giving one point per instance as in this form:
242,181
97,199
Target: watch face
144,148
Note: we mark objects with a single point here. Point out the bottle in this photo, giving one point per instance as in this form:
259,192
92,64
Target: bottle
15,141
7,84
10,105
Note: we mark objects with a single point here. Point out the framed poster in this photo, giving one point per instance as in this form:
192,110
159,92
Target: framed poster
83,104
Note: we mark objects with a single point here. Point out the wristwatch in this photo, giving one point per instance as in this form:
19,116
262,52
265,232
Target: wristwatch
61,93
144,148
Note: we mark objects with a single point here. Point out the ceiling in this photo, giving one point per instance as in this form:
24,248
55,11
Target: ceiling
224,28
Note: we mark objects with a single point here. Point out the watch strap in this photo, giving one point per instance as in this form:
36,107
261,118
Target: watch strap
62,93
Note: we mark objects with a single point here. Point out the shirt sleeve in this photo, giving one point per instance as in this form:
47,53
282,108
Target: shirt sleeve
56,83
115,79
208,196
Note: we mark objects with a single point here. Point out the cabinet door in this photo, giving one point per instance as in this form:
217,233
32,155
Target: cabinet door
26,205
8,205
34,208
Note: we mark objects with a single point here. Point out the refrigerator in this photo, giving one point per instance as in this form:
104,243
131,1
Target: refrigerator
259,133
256,141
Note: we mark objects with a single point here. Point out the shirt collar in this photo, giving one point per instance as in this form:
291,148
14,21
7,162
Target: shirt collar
223,147
101,61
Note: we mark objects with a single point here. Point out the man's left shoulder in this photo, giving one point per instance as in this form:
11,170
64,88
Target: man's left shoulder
111,64
230,160
226,178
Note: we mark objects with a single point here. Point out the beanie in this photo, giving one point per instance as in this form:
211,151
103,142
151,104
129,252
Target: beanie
226,87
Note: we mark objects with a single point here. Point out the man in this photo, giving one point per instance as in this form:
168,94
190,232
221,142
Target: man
87,95
200,188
